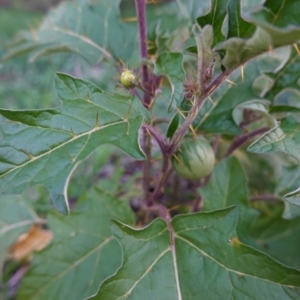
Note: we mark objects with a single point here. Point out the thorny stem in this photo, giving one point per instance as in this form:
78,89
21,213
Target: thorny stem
169,149
165,163
198,103
240,140
140,6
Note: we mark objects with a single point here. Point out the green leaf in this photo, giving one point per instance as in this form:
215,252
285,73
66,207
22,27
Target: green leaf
16,216
91,29
227,187
216,116
287,77
83,252
273,30
278,237
237,26
215,17
284,137
259,106
284,109
44,146
191,9
293,197
206,261
173,126
170,65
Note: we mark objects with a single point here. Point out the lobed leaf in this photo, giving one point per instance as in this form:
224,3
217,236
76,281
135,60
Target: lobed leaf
206,261
44,146
284,137
89,28
82,254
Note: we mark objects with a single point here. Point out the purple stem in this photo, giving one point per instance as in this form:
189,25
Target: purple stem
158,137
140,6
240,140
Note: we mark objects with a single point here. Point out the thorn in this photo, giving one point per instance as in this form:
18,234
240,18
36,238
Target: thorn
127,115
122,63
129,19
97,120
235,241
296,48
128,126
71,158
230,81
89,98
242,73
193,131
211,100
31,157
180,112
72,132
176,157
270,48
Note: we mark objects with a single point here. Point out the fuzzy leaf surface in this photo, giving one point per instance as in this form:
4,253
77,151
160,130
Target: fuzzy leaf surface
89,28
216,116
82,254
170,65
273,30
44,146
207,261
284,138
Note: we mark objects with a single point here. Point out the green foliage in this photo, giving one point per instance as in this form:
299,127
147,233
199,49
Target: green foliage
205,240
83,251
225,70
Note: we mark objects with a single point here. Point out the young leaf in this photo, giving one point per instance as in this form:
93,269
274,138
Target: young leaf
237,26
216,115
227,187
284,138
273,30
259,106
44,146
173,126
293,197
170,65
82,252
287,78
204,260
215,17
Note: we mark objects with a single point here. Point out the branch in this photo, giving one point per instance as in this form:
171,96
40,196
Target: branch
240,140
140,6
198,103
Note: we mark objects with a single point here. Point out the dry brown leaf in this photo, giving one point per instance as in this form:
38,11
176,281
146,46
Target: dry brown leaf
35,239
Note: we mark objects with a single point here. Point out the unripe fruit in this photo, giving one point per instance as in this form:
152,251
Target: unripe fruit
194,159
128,79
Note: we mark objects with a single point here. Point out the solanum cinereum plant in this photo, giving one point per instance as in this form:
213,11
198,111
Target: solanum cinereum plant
209,79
